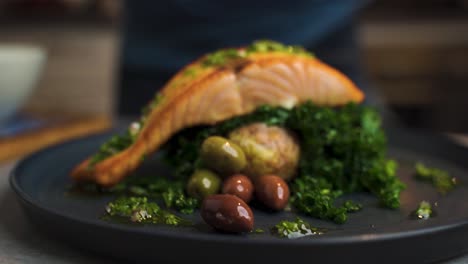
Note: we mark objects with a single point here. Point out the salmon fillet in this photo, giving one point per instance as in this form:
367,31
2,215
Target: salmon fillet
207,93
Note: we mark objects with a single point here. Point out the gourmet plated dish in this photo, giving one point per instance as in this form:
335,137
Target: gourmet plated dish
268,126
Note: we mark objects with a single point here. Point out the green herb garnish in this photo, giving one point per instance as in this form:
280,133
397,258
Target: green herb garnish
424,210
140,210
114,145
225,56
295,229
352,206
315,197
347,148
177,199
221,57
170,192
258,231
440,179
270,45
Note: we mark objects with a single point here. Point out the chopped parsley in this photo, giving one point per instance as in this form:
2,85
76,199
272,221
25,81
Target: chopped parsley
224,56
177,198
424,211
170,192
315,197
273,46
440,179
295,229
114,145
221,57
140,210
258,231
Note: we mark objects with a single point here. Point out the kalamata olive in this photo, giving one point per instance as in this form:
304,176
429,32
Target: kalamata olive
228,213
203,183
272,191
240,186
222,155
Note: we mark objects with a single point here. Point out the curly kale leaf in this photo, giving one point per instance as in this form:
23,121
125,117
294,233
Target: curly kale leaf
347,148
316,197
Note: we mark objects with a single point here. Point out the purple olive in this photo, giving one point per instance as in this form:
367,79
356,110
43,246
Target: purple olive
228,213
272,191
240,186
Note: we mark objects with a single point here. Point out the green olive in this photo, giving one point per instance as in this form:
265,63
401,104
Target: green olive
222,155
203,183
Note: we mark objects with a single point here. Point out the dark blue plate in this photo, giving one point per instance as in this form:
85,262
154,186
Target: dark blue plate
374,235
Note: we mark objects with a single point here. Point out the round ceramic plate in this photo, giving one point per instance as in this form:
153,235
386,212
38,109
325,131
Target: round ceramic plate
373,235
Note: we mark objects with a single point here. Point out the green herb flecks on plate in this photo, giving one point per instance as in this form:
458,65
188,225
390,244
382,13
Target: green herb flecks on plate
170,192
315,197
440,179
424,211
140,210
296,229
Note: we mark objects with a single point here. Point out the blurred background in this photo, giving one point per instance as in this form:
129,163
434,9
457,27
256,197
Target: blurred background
414,52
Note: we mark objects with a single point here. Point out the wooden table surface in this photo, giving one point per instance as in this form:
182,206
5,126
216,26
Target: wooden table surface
64,128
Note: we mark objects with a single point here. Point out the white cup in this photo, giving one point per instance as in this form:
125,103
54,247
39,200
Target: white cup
20,69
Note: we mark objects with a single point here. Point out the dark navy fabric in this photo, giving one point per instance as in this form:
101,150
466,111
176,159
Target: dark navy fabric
159,37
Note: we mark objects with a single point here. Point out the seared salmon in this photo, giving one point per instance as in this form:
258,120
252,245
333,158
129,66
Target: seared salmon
221,85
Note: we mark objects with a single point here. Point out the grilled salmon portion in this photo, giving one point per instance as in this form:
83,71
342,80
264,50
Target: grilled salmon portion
217,87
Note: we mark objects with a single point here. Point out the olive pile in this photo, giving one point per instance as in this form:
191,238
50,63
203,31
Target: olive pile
226,189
